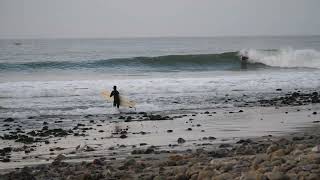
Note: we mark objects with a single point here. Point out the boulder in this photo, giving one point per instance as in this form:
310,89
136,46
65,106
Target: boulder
9,120
181,140
277,175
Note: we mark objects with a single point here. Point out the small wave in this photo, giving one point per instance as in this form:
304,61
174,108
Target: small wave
289,58
169,60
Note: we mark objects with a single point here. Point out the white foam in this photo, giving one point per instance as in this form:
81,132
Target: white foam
287,57
151,94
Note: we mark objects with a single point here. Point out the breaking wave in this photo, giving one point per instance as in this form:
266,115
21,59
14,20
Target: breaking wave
289,58
285,58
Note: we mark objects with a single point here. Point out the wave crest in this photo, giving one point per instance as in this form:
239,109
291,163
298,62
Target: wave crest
290,58
287,58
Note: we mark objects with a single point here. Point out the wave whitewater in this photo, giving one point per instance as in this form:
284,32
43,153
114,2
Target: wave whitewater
287,58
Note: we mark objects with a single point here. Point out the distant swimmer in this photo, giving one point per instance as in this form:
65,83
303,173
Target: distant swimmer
116,97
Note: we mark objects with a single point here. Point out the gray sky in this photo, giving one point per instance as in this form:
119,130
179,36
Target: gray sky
135,18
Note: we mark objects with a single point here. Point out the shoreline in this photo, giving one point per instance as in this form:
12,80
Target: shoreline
166,141
263,157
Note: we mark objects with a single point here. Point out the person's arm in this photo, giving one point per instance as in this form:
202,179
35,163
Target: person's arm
112,93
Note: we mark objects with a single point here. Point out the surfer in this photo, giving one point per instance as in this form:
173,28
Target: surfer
244,60
116,97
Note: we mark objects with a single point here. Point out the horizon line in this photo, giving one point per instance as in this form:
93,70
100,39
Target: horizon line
156,37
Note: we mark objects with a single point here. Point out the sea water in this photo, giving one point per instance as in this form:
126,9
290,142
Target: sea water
41,77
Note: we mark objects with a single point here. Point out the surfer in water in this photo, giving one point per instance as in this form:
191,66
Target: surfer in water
244,60
116,96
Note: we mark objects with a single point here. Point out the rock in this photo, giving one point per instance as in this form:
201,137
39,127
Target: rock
194,177
224,176
58,159
6,159
272,148
5,151
244,141
181,140
314,158
169,131
296,152
240,111
278,153
189,129
205,175
211,138
258,160
220,153
129,119
137,151
224,145
24,174
159,178
313,176
283,141
157,117
9,120
149,150
176,157
123,132
314,113
297,138
248,176
98,162
89,115
25,139
181,176
316,149
123,136
130,162
278,89
87,148
276,175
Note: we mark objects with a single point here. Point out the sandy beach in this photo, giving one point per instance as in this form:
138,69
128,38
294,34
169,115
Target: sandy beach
258,140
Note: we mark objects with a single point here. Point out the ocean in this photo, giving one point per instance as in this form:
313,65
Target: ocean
48,77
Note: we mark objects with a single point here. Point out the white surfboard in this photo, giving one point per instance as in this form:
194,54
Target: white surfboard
123,101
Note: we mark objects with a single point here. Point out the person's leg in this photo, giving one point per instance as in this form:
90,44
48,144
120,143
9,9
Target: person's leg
114,104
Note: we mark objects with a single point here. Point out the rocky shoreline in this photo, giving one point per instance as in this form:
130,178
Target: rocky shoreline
293,156
275,158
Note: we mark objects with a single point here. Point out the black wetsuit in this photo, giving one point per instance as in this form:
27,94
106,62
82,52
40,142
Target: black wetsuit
116,100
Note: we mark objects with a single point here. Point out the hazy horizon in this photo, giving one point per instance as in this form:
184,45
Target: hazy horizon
43,19
159,37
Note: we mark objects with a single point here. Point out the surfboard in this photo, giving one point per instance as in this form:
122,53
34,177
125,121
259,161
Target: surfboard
123,100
